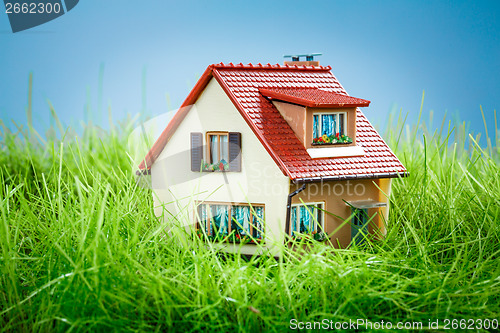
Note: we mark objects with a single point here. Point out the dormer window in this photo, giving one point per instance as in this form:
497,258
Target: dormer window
330,128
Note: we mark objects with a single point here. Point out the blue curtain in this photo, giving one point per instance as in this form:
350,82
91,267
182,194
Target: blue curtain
305,219
327,124
242,215
220,218
237,216
257,222
313,217
315,126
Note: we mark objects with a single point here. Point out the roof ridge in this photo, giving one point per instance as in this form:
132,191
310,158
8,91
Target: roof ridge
269,66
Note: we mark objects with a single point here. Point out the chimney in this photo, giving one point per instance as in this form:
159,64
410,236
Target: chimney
308,62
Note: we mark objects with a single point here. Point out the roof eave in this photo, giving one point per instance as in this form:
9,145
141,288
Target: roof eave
352,177
305,102
338,105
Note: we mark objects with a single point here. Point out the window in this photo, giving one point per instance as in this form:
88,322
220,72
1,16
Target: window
328,123
218,148
240,220
307,218
330,128
222,149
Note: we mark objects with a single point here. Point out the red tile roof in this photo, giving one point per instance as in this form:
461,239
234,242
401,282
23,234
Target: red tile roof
313,97
242,84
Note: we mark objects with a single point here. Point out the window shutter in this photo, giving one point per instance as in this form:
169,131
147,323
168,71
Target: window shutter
196,151
234,151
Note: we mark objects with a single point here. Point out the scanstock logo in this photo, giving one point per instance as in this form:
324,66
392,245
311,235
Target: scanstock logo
26,14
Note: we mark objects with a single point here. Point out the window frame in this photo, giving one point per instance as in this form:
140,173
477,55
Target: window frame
208,135
320,129
230,205
321,212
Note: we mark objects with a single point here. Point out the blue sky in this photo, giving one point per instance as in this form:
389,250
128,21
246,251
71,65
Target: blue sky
386,51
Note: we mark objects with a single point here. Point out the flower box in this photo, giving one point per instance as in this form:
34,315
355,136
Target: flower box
219,166
233,237
317,236
332,139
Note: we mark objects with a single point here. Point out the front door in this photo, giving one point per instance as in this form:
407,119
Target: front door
359,225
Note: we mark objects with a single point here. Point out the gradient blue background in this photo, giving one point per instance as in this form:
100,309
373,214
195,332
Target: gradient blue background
384,51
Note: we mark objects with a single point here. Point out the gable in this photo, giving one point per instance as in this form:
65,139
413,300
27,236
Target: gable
213,112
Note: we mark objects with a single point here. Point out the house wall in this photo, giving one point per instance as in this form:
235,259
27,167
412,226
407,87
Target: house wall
332,193
384,194
177,188
295,116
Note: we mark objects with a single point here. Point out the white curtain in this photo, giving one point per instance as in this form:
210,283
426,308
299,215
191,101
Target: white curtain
224,155
214,149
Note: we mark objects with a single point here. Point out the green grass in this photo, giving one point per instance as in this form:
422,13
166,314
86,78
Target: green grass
82,250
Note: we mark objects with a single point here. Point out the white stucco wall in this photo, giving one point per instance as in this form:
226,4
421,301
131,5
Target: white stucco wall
177,189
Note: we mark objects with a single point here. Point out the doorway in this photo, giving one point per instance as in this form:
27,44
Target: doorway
359,225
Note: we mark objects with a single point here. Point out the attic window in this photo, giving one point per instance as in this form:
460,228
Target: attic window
221,152
218,147
330,128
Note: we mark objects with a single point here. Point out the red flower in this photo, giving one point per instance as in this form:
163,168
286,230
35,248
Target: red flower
338,135
221,166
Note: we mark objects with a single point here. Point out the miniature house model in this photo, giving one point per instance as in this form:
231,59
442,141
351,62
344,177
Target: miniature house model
260,151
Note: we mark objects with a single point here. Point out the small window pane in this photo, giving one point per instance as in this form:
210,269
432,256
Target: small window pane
341,124
305,220
294,219
203,218
224,154
319,216
241,219
257,222
315,126
327,125
335,124
220,219
313,213
214,149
